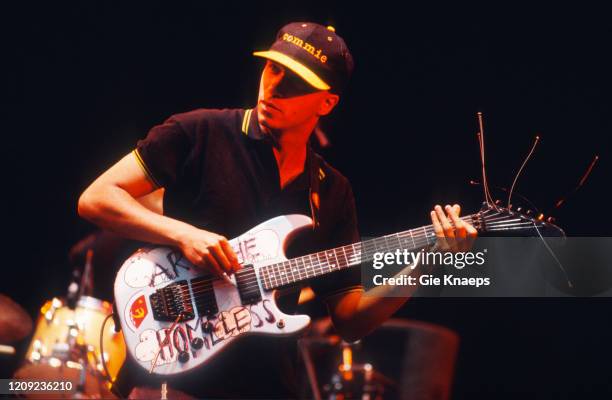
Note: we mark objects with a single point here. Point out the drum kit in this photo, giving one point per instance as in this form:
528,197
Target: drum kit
74,341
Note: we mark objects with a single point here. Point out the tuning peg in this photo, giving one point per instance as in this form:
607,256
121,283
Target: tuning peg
519,209
497,202
540,217
550,220
529,212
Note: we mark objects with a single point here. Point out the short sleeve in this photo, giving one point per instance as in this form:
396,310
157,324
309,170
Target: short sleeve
345,232
163,152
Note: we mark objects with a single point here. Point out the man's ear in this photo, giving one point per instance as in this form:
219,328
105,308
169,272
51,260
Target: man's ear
328,104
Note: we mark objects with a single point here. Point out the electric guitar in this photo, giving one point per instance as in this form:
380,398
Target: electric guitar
175,317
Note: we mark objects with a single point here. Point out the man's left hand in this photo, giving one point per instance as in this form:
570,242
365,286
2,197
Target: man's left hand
453,233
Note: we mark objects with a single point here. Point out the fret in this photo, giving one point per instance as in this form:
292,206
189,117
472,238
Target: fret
426,238
337,263
270,276
298,268
310,273
289,272
402,243
346,261
279,269
387,247
335,254
330,263
286,269
292,269
303,267
320,264
277,275
355,254
414,246
375,242
400,246
281,272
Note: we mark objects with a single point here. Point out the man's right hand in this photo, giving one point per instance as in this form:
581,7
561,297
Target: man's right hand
111,203
209,251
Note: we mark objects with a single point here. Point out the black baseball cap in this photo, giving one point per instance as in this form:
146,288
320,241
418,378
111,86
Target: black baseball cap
314,52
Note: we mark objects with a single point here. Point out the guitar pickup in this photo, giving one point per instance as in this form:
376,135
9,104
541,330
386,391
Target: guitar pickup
204,293
172,301
248,288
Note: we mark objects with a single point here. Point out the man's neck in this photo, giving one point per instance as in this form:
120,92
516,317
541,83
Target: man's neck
290,150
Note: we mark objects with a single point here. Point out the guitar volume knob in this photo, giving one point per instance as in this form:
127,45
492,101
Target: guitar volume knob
183,357
197,343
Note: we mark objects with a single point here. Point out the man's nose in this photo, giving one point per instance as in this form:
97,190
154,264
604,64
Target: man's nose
274,85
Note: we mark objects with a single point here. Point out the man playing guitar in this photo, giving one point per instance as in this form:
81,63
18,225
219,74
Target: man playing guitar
225,171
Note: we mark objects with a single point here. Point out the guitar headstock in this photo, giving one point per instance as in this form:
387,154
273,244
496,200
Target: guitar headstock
495,220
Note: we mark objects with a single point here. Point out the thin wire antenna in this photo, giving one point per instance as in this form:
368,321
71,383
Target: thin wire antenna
485,183
552,253
535,143
562,200
503,189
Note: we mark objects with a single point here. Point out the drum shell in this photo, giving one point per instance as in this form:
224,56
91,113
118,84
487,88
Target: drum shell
59,328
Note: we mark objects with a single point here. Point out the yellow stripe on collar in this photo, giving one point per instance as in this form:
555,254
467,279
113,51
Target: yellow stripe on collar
246,120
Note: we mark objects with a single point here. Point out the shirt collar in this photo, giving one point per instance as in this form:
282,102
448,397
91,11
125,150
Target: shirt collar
315,174
250,126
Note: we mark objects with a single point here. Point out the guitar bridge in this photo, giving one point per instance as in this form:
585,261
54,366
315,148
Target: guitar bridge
171,302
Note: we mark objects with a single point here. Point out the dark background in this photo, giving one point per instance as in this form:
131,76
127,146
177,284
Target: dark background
86,81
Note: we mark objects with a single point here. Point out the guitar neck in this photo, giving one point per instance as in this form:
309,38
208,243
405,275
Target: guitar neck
313,265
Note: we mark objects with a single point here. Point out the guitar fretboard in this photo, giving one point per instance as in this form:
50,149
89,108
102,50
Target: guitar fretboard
324,262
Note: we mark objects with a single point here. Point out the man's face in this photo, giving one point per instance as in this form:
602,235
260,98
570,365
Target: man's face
287,101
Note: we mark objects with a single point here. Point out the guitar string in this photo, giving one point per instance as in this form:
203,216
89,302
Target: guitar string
284,273
279,277
320,264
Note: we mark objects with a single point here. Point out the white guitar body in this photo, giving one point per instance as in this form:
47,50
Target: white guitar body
167,347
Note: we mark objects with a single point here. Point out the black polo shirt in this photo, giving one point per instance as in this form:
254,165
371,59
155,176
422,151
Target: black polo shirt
220,174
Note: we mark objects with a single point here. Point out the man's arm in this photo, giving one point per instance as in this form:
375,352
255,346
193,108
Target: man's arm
153,201
110,202
355,315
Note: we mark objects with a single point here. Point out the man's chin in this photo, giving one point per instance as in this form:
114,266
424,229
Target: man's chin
268,123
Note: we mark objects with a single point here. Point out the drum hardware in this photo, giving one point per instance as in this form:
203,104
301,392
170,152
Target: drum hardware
349,380
66,346
355,381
